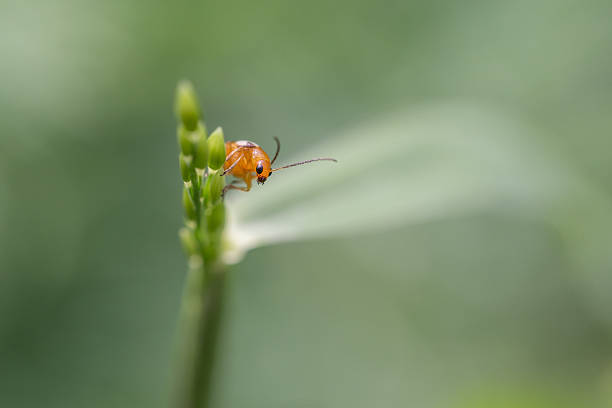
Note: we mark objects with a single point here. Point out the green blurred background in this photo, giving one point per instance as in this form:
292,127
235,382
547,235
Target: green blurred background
483,310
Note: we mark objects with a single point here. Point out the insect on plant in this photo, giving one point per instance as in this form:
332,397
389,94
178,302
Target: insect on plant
246,160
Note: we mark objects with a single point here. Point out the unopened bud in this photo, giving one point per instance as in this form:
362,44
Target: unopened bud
190,211
184,140
216,149
186,105
200,144
185,164
215,217
188,241
215,183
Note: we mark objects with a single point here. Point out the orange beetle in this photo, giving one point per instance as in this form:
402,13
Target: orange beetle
246,160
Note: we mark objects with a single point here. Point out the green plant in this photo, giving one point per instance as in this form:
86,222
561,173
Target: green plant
200,160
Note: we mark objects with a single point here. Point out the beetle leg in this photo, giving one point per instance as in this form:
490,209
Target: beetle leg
237,150
231,186
232,153
232,166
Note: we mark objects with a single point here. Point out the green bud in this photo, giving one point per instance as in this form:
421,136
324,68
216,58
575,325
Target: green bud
215,217
190,246
213,188
190,211
201,146
185,164
216,149
186,105
184,140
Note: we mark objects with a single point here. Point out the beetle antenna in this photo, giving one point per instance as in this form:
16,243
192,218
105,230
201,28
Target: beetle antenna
277,149
304,162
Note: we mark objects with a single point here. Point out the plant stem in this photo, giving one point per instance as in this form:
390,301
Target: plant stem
199,325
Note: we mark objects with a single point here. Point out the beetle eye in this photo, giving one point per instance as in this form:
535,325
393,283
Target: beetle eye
259,168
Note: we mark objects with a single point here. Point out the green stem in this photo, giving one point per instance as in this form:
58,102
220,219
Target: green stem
199,325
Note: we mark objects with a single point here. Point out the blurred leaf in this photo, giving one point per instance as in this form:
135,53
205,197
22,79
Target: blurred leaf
432,162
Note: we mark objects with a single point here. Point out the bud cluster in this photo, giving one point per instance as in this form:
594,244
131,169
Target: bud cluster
201,160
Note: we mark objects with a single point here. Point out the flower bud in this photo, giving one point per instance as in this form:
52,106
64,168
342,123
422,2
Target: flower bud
184,141
186,105
188,241
213,188
200,145
216,149
190,211
215,217
185,164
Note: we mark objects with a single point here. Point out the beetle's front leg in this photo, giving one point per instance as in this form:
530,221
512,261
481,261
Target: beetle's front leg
231,186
